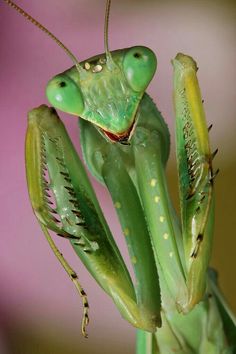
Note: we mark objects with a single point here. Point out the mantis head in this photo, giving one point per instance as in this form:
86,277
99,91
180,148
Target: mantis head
105,90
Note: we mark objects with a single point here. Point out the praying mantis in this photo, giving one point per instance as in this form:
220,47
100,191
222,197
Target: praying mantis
125,143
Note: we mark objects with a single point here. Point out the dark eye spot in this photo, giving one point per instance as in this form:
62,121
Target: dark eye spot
62,84
137,55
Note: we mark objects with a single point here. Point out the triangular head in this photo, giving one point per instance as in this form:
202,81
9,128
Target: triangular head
105,90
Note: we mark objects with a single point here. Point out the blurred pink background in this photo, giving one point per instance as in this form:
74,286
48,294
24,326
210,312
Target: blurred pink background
39,308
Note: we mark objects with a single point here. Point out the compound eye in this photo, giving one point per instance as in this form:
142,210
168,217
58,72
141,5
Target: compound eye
139,67
64,94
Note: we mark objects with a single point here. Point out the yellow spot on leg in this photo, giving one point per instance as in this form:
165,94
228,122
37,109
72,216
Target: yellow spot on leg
126,231
153,182
165,236
171,254
117,205
134,260
156,199
162,218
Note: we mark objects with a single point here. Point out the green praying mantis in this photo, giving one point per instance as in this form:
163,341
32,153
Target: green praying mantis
174,302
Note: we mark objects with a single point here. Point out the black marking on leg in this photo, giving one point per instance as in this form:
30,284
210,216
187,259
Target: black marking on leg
49,201
210,126
198,209
56,220
189,196
199,240
69,236
76,212
87,250
82,223
64,174
214,153
74,201
200,237
53,211
214,175
69,189
202,198
67,179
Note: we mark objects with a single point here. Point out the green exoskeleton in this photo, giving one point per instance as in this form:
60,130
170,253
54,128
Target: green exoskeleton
174,302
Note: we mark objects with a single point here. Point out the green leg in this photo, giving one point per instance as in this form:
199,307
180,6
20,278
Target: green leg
146,343
159,211
130,212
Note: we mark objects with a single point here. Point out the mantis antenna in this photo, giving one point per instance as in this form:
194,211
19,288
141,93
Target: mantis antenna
106,24
45,30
